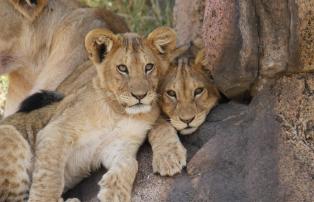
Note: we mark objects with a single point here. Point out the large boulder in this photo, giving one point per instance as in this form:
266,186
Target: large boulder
188,20
264,155
231,41
250,43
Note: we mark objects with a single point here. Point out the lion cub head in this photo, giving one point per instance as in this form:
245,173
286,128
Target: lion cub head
129,66
188,94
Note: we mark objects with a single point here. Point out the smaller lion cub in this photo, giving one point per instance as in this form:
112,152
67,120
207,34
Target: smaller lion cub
106,121
187,96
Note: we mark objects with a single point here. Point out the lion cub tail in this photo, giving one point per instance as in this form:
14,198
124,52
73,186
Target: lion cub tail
39,100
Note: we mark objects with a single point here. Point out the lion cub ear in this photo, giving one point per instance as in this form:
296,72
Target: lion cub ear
179,51
163,39
201,62
201,58
98,43
29,8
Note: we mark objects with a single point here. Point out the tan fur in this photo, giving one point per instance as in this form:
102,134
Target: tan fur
17,143
169,155
41,44
102,123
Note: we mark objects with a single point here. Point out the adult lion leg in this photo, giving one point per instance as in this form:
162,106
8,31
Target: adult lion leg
48,176
169,155
116,185
15,156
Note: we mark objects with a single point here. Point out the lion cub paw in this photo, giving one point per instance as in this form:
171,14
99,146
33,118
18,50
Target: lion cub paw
169,160
112,189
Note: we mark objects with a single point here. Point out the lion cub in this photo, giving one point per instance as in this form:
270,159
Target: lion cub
106,121
187,96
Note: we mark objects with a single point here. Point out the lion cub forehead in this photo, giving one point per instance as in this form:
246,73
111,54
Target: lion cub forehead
184,77
130,35
132,41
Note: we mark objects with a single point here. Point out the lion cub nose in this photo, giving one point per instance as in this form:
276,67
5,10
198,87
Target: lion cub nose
139,96
187,121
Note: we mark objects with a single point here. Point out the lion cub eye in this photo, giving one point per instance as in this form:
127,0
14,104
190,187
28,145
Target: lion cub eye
198,91
172,94
123,69
149,68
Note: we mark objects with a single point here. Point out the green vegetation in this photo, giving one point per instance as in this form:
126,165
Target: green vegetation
141,15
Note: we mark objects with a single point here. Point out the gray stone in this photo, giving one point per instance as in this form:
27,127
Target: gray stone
231,40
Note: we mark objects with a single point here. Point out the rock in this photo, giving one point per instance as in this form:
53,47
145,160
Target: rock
250,43
301,44
231,39
262,155
188,20
274,36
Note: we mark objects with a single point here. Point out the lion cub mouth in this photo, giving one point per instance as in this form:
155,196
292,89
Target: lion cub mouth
138,108
188,130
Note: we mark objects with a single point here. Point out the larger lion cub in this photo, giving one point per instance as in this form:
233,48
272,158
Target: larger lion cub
105,122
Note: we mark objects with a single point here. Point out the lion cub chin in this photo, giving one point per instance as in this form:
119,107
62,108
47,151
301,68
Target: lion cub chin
188,95
106,121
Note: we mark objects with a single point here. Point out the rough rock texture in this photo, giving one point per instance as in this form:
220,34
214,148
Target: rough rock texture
274,36
263,155
231,41
251,42
302,36
261,152
188,19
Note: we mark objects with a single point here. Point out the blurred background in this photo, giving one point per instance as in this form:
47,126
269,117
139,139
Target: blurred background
142,16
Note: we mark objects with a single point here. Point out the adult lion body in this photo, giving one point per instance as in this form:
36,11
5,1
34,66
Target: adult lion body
41,43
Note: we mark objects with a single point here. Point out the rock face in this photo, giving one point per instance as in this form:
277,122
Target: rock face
188,20
262,155
250,43
231,41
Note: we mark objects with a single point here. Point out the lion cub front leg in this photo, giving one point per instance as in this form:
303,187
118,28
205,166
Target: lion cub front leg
48,176
169,155
116,185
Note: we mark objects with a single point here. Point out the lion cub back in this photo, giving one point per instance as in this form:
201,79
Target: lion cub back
17,140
